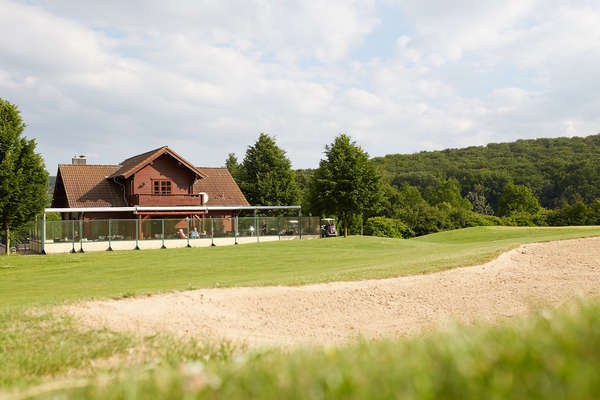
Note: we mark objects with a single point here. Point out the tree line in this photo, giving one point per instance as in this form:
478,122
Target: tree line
527,182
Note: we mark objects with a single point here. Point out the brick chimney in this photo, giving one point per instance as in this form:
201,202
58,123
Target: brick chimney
78,160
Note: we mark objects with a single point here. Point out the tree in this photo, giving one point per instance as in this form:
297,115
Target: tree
478,200
517,199
346,182
23,178
266,176
448,191
233,167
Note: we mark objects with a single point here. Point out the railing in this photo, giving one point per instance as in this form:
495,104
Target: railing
106,234
166,200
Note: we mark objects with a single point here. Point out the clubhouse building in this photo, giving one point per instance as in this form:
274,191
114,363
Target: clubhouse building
156,200
156,184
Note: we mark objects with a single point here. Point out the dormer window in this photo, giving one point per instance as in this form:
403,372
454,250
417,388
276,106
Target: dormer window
161,187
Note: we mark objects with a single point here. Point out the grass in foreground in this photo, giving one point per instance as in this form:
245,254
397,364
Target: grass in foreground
551,356
39,348
40,280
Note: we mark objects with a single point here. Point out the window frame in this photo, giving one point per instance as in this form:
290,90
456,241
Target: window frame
162,187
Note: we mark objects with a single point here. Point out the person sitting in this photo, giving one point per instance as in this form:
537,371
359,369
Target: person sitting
181,234
194,234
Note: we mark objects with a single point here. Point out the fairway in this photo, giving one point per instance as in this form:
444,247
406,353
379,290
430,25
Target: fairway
55,279
45,352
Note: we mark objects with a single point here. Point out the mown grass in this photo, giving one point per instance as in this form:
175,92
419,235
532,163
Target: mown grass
52,279
551,356
40,351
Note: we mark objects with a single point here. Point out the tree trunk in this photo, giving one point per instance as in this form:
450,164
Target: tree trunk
7,233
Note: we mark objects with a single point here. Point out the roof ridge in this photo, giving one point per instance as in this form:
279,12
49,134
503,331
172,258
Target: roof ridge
143,154
90,165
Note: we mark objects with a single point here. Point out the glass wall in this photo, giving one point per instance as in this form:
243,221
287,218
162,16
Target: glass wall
174,228
223,227
122,229
59,231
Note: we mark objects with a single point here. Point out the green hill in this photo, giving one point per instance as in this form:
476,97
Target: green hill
560,169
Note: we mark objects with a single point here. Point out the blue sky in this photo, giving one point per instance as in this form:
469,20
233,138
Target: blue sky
111,79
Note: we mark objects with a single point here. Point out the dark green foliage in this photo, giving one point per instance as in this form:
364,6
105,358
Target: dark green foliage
346,182
303,178
447,191
51,183
234,167
478,200
554,169
387,227
265,176
517,199
23,179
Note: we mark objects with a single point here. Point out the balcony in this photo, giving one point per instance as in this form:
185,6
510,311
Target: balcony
168,200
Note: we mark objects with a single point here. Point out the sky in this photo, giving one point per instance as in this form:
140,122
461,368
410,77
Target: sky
111,79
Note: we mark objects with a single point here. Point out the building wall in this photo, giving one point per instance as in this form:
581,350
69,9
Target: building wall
164,167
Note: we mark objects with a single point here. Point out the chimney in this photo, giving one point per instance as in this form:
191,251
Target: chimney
78,160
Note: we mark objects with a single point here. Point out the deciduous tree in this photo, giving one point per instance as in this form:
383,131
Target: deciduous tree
517,199
346,183
23,178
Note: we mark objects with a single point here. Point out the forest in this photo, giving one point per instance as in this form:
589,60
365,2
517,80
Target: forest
556,170
526,182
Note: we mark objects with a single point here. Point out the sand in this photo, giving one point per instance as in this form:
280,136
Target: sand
517,282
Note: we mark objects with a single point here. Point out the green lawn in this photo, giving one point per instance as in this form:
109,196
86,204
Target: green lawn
52,279
44,355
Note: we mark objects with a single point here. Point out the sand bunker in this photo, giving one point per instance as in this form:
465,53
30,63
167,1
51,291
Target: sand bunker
533,275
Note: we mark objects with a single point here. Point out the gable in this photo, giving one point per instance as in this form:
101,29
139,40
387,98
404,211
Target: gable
163,168
133,164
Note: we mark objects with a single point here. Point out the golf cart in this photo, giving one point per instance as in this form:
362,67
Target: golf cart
328,227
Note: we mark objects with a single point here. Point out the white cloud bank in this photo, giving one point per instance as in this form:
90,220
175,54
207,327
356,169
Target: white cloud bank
110,79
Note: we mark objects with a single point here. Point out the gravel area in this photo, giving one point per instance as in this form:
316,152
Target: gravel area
526,278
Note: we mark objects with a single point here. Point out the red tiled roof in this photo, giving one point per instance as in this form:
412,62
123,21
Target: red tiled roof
220,187
131,165
87,186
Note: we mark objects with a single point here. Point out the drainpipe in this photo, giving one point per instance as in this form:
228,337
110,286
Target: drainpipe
123,189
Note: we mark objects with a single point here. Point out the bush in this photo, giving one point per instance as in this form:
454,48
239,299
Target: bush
387,227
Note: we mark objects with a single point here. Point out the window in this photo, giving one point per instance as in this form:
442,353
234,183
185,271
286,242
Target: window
161,187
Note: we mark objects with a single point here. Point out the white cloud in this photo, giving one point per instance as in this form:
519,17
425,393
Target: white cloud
114,78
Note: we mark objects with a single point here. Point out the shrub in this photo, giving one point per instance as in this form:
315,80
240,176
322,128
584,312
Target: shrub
387,227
